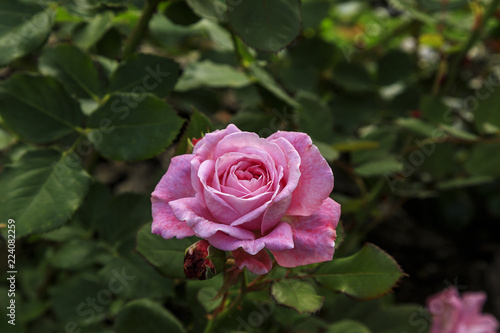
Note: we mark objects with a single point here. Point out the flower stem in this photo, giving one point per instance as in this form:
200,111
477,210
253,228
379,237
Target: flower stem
141,27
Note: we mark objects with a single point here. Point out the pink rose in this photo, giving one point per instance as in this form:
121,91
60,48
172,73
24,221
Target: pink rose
452,314
246,194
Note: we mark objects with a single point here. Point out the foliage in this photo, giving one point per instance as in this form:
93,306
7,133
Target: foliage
97,96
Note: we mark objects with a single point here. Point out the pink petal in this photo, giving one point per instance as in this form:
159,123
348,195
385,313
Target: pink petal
282,201
313,237
259,263
473,302
174,184
280,238
204,150
249,142
200,220
316,180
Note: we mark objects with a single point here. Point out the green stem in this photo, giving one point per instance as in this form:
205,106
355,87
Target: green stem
473,38
141,27
241,295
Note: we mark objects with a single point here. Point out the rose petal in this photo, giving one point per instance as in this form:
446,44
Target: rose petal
246,142
204,151
283,200
281,238
316,180
175,184
259,263
200,220
313,237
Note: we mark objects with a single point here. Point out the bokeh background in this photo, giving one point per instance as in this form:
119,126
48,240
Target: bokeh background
402,97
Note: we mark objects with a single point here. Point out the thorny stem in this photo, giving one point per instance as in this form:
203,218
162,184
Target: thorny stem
141,27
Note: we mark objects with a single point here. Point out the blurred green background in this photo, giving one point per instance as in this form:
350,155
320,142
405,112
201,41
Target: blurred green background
402,97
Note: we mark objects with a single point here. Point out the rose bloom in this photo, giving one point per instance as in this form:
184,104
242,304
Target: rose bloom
454,314
246,194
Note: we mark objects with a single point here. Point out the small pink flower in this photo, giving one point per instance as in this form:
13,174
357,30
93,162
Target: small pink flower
454,314
246,194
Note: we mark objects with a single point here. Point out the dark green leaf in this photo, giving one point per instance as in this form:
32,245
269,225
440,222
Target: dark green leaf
209,74
353,77
41,191
484,160
133,127
145,73
211,9
123,216
266,25
70,299
73,68
198,126
94,30
146,316
315,117
486,108
367,274
51,112
397,319
382,166
139,279
24,28
206,297
297,294
267,81
393,67
167,255
348,326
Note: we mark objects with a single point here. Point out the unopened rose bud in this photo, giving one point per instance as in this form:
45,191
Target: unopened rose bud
203,261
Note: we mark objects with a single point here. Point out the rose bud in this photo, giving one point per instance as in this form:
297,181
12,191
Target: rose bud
203,261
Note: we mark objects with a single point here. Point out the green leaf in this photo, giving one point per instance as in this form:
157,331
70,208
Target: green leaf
348,326
397,319
198,126
266,25
211,9
74,254
24,28
459,133
123,216
143,73
51,112
69,299
94,30
296,294
267,81
139,278
382,166
418,127
146,316
367,274
41,191
393,67
133,127
73,68
315,117
434,109
206,297
464,182
484,160
487,105
208,74
353,77
167,255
